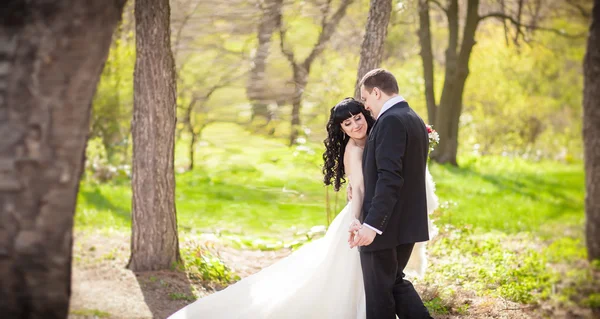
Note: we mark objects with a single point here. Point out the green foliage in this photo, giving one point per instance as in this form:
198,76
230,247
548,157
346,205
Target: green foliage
566,249
491,264
593,301
113,102
524,100
180,296
437,306
201,264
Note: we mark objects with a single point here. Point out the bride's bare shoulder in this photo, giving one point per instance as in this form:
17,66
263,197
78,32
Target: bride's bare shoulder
353,150
352,153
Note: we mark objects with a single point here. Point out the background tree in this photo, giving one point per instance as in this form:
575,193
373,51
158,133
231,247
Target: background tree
301,69
51,57
457,57
371,50
256,88
154,241
591,134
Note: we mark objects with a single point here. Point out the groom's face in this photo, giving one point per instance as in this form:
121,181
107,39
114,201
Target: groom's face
371,100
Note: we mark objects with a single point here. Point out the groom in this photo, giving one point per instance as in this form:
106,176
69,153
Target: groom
394,214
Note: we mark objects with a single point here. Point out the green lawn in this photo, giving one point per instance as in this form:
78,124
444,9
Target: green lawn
256,185
509,227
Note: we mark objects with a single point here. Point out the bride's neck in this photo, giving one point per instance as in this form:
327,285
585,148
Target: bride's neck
360,143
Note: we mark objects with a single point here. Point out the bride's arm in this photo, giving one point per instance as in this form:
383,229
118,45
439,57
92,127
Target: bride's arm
353,163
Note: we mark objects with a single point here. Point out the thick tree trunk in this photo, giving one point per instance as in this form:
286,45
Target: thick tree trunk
457,72
591,134
51,57
154,242
255,90
371,50
427,58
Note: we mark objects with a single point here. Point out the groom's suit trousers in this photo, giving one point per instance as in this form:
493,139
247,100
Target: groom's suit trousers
387,292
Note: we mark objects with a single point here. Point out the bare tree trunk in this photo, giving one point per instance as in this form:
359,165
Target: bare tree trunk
51,58
269,22
192,148
371,50
457,71
443,117
427,58
591,134
300,80
154,242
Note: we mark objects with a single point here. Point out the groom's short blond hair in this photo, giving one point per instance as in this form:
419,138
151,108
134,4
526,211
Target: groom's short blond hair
382,79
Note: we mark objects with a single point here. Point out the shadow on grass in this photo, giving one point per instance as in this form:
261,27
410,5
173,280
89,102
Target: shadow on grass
538,190
95,199
557,194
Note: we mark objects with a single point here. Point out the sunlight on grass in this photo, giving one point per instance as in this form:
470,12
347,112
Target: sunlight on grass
510,194
256,185
509,227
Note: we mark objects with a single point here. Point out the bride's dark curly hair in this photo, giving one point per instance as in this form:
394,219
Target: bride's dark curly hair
336,141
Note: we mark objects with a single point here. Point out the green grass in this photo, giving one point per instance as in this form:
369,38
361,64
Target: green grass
509,227
255,185
94,313
510,194
245,184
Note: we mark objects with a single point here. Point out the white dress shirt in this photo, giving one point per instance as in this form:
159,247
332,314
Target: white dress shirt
389,103
386,106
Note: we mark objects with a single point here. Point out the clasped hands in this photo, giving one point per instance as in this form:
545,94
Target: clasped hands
359,235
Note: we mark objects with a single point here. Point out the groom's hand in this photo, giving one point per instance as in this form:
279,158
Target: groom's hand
363,237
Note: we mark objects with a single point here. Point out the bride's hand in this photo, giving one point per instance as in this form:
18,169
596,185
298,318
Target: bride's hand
354,227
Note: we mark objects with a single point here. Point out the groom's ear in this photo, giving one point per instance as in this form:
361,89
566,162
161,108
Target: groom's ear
377,92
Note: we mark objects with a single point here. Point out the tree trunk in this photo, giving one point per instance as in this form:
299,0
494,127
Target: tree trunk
51,58
591,134
427,58
192,148
371,51
154,242
302,70
300,80
457,71
270,20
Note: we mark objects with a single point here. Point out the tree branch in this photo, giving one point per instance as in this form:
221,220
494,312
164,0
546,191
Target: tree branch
519,25
184,22
328,28
584,12
289,54
440,6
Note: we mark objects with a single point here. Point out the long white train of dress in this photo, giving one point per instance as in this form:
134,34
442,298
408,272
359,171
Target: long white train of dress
322,279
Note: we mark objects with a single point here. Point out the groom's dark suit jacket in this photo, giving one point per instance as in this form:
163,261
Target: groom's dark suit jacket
394,161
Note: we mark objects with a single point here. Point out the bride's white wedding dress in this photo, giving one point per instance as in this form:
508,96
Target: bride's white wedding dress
322,279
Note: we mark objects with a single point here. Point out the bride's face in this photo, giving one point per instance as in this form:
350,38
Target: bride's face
355,126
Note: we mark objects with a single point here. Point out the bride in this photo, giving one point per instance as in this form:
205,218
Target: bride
322,279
